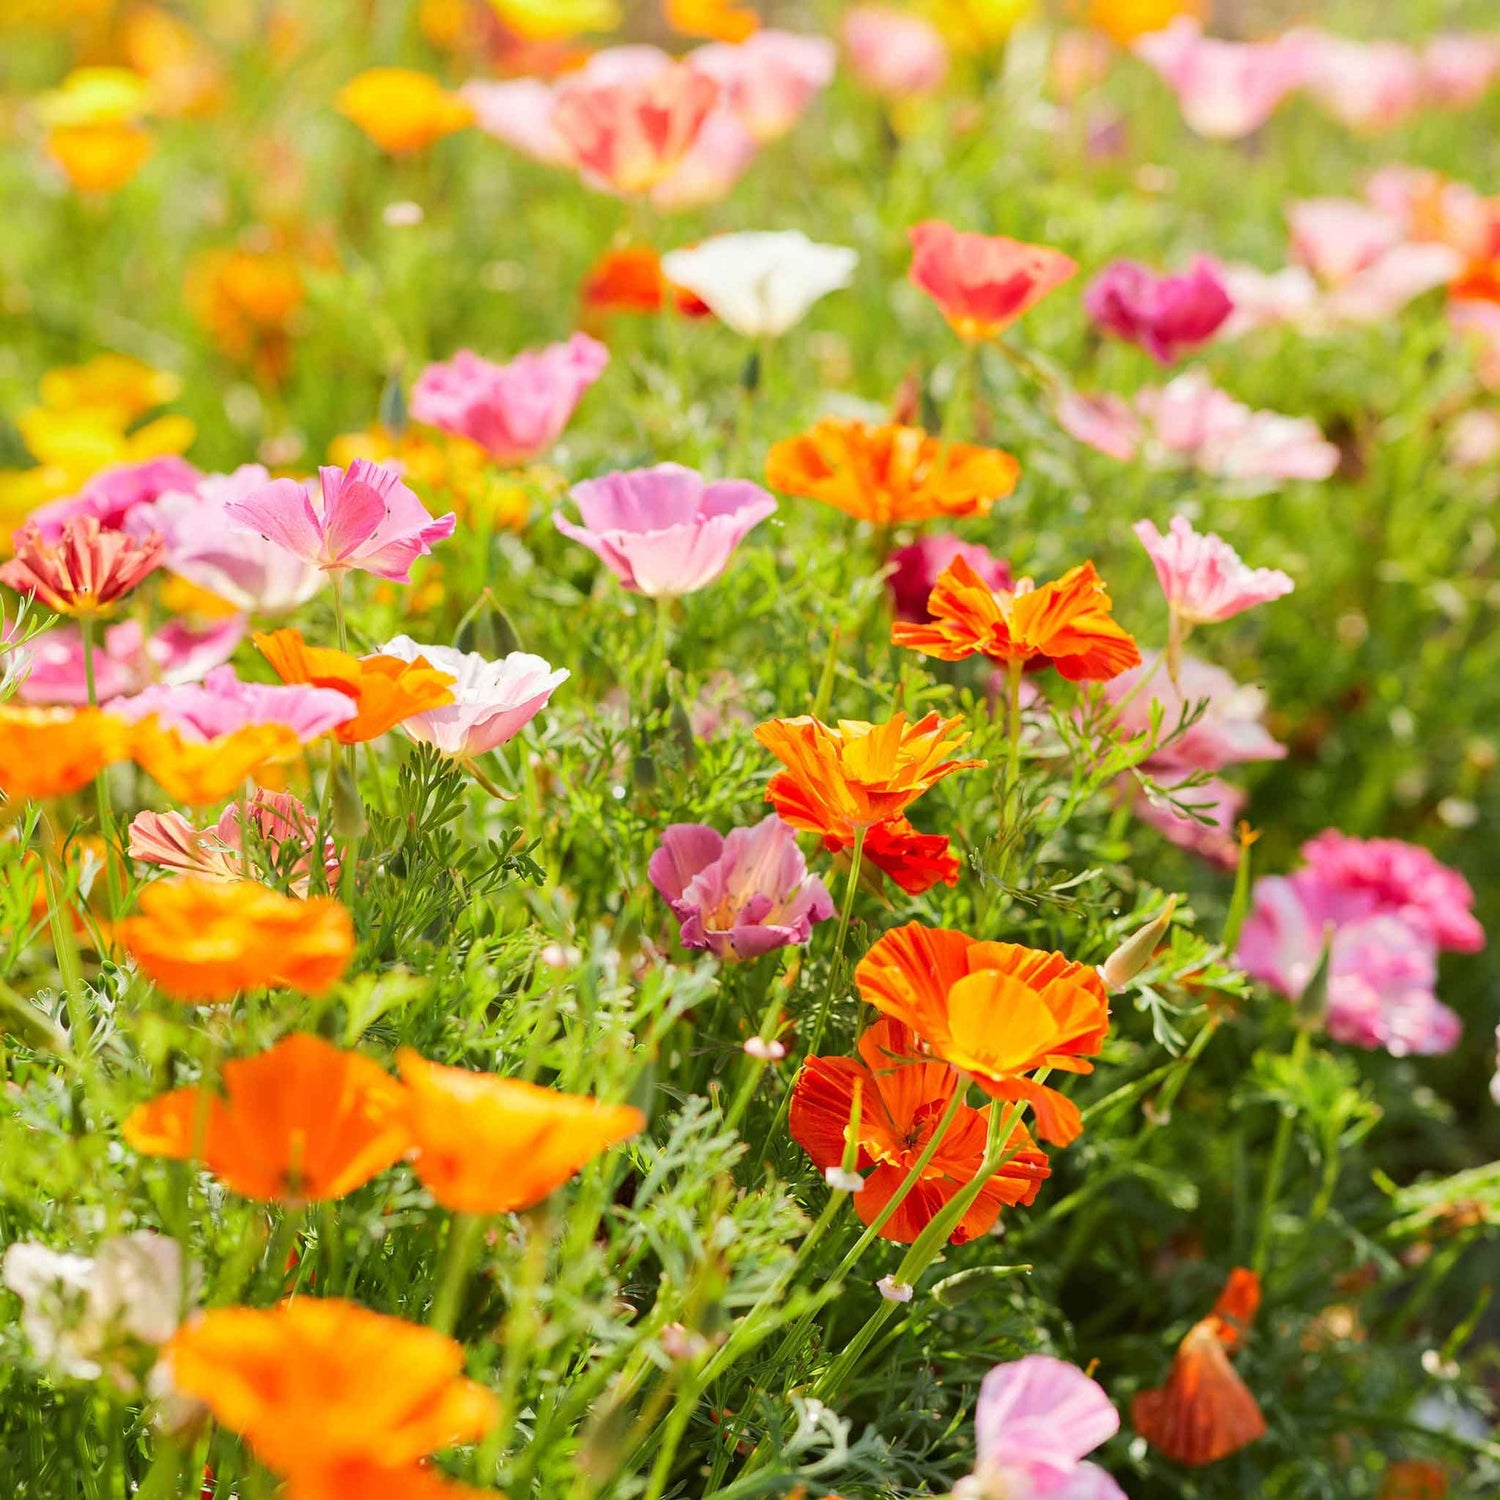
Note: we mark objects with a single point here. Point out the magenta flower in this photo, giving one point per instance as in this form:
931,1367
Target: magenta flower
517,411
664,531
1202,575
221,704
740,895
126,660
364,518
915,568
120,498
1165,315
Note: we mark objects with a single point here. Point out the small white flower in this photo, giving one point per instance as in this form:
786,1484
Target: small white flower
763,1049
843,1182
402,215
893,1290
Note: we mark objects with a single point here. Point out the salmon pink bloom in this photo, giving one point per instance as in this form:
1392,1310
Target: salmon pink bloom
721,155
515,411
222,704
86,571
983,283
769,79
894,53
170,842
120,498
1202,575
1165,315
664,531
912,571
126,659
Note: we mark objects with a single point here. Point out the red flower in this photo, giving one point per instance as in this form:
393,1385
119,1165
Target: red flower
983,283
915,861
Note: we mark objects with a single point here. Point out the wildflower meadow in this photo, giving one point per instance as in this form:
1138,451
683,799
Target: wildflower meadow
748,748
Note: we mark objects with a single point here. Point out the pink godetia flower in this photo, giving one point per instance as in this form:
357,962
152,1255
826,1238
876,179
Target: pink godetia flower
770,78
1206,823
1036,1421
493,701
126,659
739,895
1165,315
665,531
85,570
222,704
1459,67
1367,86
1202,576
514,411
119,498
362,518
914,569
894,53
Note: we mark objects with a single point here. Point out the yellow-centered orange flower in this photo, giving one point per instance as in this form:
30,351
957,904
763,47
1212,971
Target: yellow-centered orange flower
202,941
719,20
302,1123
94,132
197,772
890,474
488,1145
401,110
855,775
49,752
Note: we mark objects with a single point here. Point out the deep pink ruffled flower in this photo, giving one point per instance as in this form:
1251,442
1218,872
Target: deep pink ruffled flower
1202,575
119,498
515,411
663,531
741,895
125,659
363,518
894,53
1165,315
769,78
221,704
917,567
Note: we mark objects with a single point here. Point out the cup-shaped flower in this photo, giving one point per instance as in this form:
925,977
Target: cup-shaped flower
761,282
914,570
125,659
894,53
488,1145
1165,315
49,752
664,531
1224,89
514,411
401,110
1202,575
86,571
997,1011
196,769
1368,86
742,895
983,283
364,518
770,78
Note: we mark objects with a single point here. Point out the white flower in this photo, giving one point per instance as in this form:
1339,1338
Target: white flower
764,1050
841,1181
893,1290
761,283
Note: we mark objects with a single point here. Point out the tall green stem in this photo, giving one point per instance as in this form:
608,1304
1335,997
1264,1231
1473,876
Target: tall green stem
465,1235
1277,1165
836,963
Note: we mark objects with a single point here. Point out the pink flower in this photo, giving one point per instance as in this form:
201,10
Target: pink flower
1477,321
1262,299
493,701
1207,829
1102,422
515,411
1165,315
720,157
1459,67
518,112
663,531
365,518
168,841
1365,85
1474,442
221,704
770,78
739,896
914,569
118,496
278,821
1202,575
125,659
894,53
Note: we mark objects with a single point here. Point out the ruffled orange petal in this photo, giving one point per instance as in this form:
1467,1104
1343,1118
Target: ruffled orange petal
1059,1121
1205,1412
907,974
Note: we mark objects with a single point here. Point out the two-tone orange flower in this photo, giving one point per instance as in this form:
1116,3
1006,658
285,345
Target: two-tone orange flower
302,1122
201,771
488,1145
996,1011
983,283
914,861
902,1101
889,475
401,110
1065,624
385,689
84,570
841,779
358,1480
202,941
49,752
1205,1412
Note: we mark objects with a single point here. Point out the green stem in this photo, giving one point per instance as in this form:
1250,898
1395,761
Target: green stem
836,963
1279,1148
465,1236
340,629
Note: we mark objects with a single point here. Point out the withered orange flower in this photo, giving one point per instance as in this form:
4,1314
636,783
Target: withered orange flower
853,776
996,1011
197,772
314,1384
385,689
890,474
902,1101
85,570
402,110
49,752
983,283
1205,1412
631,280
718,20
1414,1479
915,861
1066,624
302,1122
202,940
490,1145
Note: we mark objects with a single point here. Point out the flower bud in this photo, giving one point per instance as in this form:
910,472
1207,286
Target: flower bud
843,1182
893,1290
1135,952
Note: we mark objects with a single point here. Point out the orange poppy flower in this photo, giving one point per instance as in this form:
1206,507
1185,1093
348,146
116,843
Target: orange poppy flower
49,752
631,280
206,940
314,1384
996,1011
1414,1479
718,20
902,1100
363,1481
856,775
85,570
385,689
1065,624
402,110
490,1145
246,299
1124,21
100,158
983,283
303,1122
1205,1412
890,474
209,771
915,861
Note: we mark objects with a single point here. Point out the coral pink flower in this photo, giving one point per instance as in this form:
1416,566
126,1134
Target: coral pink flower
770,78
126,659
1165,315
1202,575
983,283
515,411
119,498
663,531
222,704
365,518
1103,422
894,53
741,895
914,569
168,841
85,571
1367,86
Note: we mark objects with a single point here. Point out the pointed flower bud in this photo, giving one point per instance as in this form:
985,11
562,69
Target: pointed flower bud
1135,952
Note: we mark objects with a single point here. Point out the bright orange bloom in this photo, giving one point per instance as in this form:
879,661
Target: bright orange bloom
719,20
996,1011
856,775
302,1122
315,1384
246,300
197,772
385,688
1414,1479
1125,20
630,280
49,752
915,861
86,570
401,110
1065,624
100,158
364,1481
488,1145
1205,1412
890,474
983,283
206,940
902,1101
